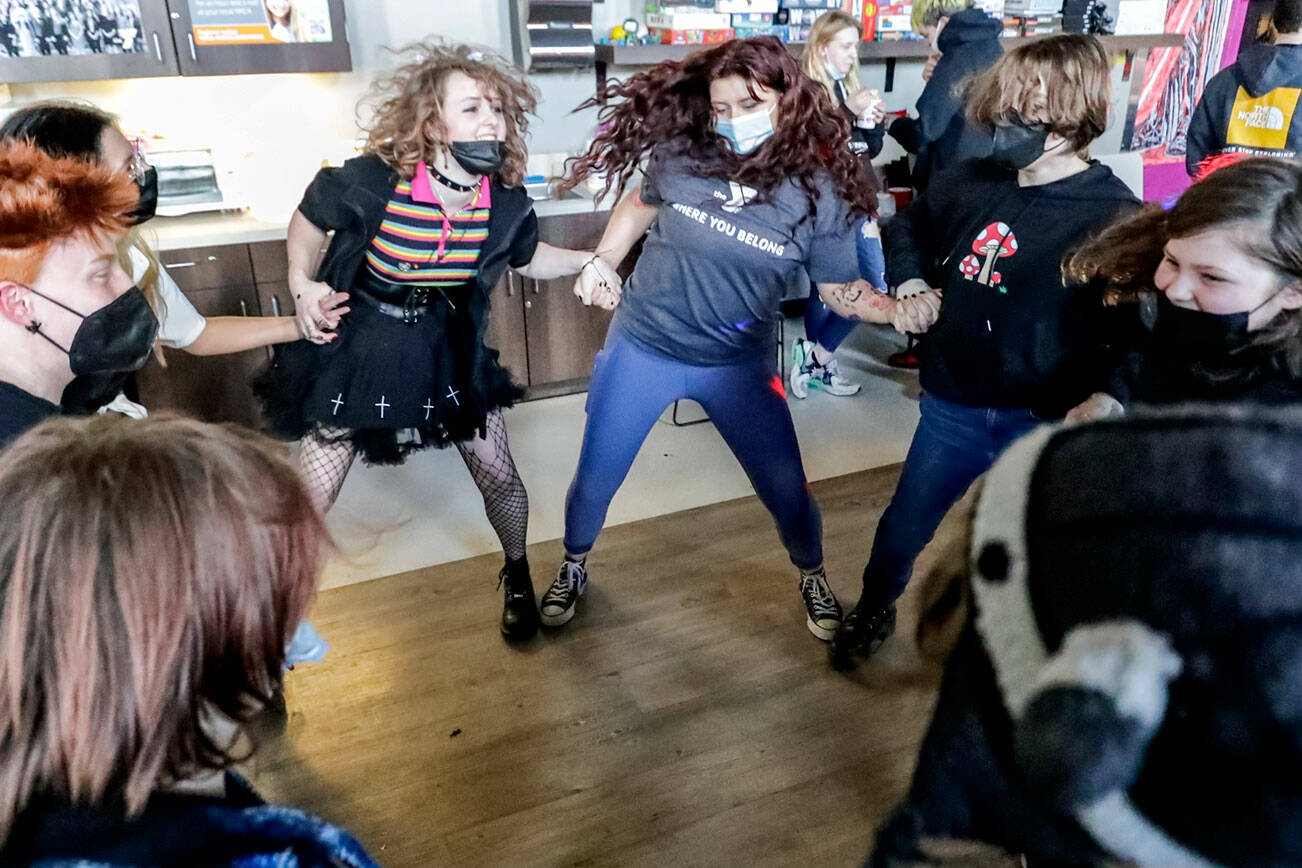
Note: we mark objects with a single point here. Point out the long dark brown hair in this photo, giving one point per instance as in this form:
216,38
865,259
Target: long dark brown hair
671,103
1262,197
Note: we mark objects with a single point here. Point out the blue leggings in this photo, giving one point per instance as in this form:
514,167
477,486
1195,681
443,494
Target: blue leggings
824,327
631,387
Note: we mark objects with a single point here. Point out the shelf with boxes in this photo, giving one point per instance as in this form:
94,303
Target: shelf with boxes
686,23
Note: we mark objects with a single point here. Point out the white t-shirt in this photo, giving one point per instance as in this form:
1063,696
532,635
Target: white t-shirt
179,324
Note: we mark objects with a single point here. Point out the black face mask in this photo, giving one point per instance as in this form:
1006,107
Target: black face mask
148,204
1018,145
479,157
1197,332
89,392
115,339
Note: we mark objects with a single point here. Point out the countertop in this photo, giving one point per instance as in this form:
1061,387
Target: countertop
215,229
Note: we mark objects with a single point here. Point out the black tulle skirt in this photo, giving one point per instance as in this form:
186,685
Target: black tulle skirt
389,387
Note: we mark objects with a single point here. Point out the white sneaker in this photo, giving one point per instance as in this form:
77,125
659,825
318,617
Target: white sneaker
827,378
802,367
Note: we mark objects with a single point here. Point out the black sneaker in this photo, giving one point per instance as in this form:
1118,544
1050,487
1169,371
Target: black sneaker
563,595
823,612
519,608
860,635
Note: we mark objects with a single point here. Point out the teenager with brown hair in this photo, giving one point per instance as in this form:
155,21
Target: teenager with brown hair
1014,344
1211,290
152,572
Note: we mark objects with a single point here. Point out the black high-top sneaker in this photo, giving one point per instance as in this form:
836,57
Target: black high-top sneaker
519,609
860,635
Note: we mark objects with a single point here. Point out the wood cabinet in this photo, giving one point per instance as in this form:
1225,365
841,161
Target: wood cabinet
547,337
218,281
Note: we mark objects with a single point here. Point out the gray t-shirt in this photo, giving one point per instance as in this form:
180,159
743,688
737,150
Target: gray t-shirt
716,265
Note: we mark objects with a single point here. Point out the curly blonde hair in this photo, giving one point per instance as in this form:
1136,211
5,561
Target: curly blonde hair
409,102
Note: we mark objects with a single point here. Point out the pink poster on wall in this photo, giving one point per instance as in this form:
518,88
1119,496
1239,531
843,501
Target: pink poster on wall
1174,80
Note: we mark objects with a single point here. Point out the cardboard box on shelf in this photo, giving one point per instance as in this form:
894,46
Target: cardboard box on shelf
759,30
692,37
894,24
742,7
688,21
752,19
1141,16
680,6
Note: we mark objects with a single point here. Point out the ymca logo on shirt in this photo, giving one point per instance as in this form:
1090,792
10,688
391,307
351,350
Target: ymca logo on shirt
1264,121
739,195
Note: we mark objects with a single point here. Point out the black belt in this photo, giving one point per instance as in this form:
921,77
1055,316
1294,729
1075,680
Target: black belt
415,304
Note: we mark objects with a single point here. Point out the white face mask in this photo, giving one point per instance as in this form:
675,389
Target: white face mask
746,132
832,72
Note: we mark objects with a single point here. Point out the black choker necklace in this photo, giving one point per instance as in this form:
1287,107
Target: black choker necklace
449,183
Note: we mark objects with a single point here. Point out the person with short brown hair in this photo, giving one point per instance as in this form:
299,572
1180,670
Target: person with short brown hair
151,573
1013,344
67,308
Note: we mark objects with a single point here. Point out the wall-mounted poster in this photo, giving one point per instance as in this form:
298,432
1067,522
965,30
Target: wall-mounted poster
254,22
45,28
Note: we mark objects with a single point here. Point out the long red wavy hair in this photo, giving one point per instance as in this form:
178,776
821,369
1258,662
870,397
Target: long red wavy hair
671,103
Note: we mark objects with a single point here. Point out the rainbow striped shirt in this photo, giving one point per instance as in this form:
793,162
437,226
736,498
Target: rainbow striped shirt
419,245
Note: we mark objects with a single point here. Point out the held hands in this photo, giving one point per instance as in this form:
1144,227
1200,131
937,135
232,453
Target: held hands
916,313
318,309
1098,406
598,285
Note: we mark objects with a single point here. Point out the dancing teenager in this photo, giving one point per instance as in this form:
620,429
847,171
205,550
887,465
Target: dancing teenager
1211,290
748,180
425,222
1014,344
831,58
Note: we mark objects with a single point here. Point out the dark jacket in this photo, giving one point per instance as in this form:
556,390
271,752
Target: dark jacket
20,411
941,135
1151,368
1010,334
350,200
1249,107
174,830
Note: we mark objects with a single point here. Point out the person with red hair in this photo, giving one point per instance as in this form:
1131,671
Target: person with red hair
747,181
67,308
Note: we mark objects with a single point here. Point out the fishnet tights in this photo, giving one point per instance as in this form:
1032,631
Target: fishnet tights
327,455
493,469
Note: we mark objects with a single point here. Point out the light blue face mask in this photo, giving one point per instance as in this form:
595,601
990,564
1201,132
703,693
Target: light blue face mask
832,72
746,132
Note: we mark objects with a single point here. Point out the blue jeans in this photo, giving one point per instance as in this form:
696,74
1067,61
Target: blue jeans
952,446
631,387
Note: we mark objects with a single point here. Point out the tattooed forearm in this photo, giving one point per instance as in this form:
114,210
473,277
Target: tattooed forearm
857,301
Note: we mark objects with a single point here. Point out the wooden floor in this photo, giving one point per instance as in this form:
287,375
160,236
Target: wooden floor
684,717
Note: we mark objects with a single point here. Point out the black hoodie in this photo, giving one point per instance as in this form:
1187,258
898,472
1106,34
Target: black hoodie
1010,334
1250,107
941,135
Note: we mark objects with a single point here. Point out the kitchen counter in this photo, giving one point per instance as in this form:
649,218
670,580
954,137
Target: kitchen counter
216,229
